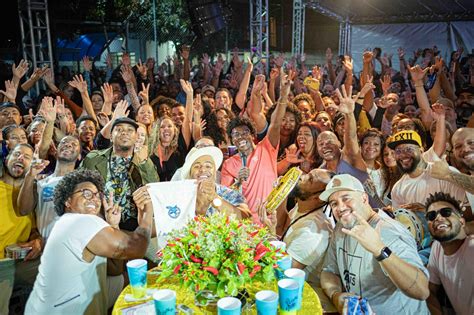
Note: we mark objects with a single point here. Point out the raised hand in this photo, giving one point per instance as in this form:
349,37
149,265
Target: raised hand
142,69
127,73
20,70
144,93
279,60
249,65
37,165
60,108
292,155
48,77
120,110
368,86
348,64
417,74
107,92
285,84
440,170
274,73
367,56
102,118
86,62
439,62
10,90
205,59
48,110
112,211
108,61
79,83
386,82
366,235
258,85
401,52
187,87
329,55
347,103
38,73
438,111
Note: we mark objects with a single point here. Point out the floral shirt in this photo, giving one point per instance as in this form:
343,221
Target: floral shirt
119,184
231,196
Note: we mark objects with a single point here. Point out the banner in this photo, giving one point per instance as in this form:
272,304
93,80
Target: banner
174,204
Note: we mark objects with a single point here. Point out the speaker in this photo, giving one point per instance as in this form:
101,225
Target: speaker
208,17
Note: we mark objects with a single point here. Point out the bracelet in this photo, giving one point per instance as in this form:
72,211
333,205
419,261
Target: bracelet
418,85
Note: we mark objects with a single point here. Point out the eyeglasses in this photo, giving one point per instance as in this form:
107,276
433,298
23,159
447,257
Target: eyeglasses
445,213
407,150
88,194
244,133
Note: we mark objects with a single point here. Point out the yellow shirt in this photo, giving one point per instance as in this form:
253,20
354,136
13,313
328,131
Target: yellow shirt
363,123
13,229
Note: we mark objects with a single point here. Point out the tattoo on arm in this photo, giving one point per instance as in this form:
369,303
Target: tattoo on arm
465,181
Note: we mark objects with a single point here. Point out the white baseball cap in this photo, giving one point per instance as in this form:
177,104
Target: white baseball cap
339,183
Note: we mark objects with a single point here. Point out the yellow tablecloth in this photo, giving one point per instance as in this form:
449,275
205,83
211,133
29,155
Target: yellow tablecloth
311,304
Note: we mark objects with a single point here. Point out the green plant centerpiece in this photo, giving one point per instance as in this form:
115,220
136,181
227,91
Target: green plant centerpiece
220,254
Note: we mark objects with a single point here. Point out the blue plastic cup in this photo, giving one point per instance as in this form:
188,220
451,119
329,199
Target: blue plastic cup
267,302
283,264
229,306
137,269
288,291
298,275
165,302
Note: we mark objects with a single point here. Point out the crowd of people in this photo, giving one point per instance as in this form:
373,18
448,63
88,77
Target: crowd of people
382,210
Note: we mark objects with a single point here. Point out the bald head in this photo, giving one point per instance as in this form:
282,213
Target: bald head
329,146
463,147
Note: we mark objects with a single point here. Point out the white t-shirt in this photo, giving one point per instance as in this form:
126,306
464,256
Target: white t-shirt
379,182
418,189
455,273
66,283
45,214
307,241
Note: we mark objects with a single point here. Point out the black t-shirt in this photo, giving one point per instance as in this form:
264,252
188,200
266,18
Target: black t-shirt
176,160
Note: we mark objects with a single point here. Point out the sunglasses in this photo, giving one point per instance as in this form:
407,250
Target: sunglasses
445,213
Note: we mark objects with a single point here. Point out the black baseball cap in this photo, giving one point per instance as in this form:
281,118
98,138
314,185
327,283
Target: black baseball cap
125,120
4,105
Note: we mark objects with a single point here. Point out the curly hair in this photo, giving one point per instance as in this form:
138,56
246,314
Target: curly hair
305,97
65,188
240,121
212,128
441,196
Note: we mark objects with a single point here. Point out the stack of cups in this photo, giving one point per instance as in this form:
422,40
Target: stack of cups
137,269
299,276
284,262
267,302
229,306
288,292
165,302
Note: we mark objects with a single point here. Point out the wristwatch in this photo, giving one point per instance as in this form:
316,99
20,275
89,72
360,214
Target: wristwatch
384,254
217,202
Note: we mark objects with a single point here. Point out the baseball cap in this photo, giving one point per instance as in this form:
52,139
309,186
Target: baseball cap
341,182
404,136
125,120
4,105
208,87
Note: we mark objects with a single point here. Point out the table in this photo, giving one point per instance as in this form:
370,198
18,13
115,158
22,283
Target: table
311,304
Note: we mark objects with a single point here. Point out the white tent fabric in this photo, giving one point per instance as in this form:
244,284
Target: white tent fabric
411,36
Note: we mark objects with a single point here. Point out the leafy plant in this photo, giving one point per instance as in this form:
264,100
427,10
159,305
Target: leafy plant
220,254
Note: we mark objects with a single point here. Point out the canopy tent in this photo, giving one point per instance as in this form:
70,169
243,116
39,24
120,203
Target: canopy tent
410,24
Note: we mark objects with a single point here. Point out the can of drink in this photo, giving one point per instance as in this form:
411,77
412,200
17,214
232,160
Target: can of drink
16,252
231,150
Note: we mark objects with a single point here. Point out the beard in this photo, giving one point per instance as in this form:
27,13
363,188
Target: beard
411,168
451,235
298,193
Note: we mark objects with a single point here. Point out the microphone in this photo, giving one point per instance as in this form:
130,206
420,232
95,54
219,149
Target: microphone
244,159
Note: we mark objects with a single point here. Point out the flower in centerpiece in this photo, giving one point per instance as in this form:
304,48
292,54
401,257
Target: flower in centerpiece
220,254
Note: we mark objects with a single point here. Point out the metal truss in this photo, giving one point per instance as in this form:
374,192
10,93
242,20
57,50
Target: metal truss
259,31
345,38
297,43
35,32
